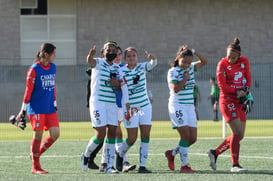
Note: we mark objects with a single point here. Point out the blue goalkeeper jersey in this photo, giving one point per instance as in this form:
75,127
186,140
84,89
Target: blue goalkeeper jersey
42,97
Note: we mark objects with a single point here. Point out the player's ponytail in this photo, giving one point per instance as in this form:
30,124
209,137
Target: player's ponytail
45,48
183,51
235,46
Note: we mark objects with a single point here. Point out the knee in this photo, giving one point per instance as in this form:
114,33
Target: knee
55,135
192,141
131,141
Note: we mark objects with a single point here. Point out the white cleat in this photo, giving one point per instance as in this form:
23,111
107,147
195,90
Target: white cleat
84,162
111,170
237,168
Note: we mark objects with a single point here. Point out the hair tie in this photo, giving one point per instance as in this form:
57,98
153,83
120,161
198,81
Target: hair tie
235,50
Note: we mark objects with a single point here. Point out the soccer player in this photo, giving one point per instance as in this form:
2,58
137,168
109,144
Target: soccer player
181,103
234,78
126,165
40,104
102,106
140,114
214,97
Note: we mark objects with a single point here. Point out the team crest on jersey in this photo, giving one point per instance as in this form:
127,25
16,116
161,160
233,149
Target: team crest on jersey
242,66
233,114
37,125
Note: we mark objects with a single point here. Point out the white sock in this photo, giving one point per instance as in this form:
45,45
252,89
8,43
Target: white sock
118,150
184,155
143,151
176,150
109,154
124,148
91,146
104,155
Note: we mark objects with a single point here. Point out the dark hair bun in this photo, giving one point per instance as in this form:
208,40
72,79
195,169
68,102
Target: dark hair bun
236,41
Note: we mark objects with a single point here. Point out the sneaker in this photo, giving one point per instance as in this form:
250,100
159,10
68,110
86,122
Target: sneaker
103,167
111,170
170,158
237,168
84,162
92,164
119,161
128,167
38,170
213,157
143,170
186,169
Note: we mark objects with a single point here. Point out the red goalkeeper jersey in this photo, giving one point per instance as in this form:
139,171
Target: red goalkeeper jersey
233,77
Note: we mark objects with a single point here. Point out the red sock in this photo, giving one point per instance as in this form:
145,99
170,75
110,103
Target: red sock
224,146
35,151
235,148
47,142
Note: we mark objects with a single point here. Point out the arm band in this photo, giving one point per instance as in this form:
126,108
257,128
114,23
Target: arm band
152,64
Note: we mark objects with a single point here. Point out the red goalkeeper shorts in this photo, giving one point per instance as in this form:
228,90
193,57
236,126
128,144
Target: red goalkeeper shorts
43,121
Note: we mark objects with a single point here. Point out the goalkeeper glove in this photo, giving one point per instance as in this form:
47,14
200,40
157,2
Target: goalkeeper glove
21,124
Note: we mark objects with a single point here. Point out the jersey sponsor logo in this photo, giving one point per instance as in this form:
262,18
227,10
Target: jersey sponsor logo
238,75
231,107
229,67
48,82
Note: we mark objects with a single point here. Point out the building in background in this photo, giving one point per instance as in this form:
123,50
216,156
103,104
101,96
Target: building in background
157,26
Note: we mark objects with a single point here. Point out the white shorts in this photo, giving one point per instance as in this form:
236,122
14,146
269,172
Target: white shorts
143,116
103,113
182,115
120,114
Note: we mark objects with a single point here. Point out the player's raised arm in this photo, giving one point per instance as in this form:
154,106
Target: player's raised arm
90,55
153,60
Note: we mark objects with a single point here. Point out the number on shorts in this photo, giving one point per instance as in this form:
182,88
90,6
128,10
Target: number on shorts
96,113
178,113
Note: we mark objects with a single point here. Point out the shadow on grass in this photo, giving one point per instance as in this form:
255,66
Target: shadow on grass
218,172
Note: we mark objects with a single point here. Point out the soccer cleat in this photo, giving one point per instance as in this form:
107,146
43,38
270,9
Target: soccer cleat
170,158
143,170
103,167
186,169
111,170
92,164
84,162
119,161
237,168
213,157
38,170
128,167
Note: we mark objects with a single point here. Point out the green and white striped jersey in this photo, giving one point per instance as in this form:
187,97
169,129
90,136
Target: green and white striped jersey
136,83
101,89
185,95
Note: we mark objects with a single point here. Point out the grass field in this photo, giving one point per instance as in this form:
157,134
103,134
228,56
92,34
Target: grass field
62,159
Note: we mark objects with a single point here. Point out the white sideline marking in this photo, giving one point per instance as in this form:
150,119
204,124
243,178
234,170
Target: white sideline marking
158,154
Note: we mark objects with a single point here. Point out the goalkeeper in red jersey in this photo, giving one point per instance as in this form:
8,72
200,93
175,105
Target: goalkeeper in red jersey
234,78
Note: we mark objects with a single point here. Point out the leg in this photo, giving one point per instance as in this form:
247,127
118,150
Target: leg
144,147
54,133
35,152
94,142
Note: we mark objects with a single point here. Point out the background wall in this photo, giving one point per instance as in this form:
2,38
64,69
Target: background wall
159,26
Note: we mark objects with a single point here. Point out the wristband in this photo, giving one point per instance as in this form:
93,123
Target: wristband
193,50
24,107
55,103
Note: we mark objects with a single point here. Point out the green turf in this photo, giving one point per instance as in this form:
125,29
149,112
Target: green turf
160,129
62,159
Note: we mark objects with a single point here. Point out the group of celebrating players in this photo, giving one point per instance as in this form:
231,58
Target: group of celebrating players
118,93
